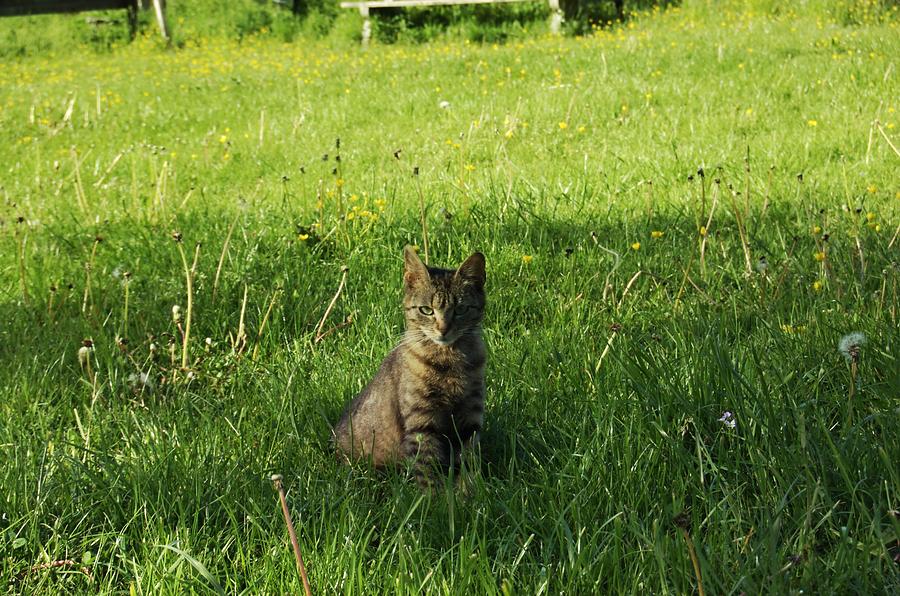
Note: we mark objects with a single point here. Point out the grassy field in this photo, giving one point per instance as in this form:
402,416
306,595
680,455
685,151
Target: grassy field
682,218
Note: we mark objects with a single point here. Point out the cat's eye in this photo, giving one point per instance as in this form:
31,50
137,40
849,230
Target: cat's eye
461,309
426,310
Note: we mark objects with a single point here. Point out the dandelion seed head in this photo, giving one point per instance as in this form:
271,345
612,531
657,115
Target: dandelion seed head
84,356
850,344
141,382
176,314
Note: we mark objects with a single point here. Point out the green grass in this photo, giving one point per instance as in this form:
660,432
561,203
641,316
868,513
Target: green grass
555,158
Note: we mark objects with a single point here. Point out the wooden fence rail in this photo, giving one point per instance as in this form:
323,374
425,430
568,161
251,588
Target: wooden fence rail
11,8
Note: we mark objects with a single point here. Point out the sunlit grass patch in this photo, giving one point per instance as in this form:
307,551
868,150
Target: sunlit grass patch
200,264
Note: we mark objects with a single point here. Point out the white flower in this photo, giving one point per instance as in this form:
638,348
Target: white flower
444,104
850,344
728,420
176,314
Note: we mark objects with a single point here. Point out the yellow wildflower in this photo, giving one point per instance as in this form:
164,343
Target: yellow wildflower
656,234
819,256
635,246
817,230
563,125
817,286
812,123
527,259
303,237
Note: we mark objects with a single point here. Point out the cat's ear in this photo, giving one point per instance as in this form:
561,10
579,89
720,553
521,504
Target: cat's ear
414,270
472,270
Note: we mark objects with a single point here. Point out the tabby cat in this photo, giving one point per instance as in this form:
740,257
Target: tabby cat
426,402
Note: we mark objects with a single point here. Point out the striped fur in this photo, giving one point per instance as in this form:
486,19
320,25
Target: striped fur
425,404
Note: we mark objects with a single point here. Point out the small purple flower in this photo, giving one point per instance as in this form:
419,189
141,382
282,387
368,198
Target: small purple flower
728,419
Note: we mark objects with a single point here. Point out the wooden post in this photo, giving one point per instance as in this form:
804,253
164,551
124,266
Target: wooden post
133,19
159,7
556,17
367,24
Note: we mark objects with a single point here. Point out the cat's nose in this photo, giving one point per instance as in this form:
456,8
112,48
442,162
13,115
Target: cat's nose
443,327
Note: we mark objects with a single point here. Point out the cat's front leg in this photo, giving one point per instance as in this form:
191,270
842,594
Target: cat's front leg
428,456
467,419
469,463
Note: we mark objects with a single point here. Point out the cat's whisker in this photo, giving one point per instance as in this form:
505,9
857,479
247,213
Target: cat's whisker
412,338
